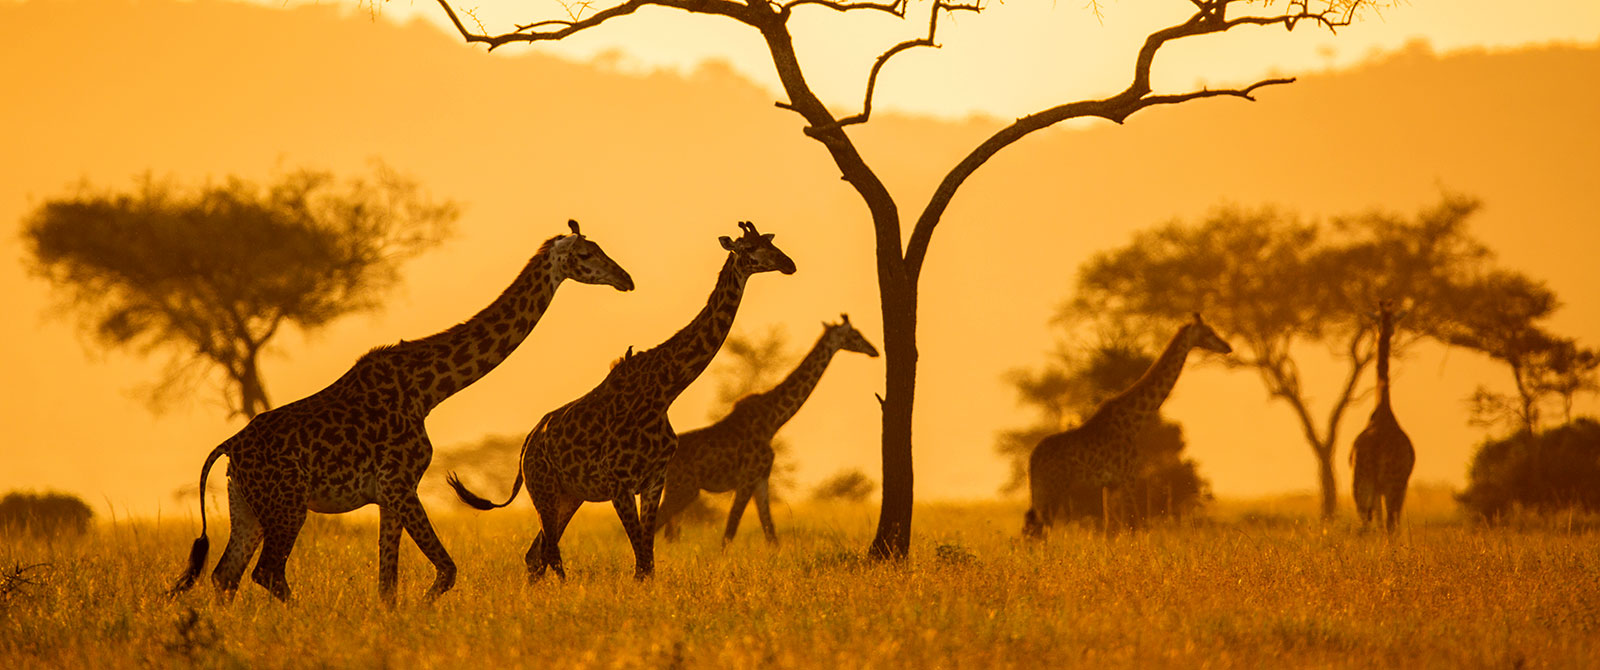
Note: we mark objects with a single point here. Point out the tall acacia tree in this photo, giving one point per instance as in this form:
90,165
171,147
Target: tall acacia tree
212,274
900,257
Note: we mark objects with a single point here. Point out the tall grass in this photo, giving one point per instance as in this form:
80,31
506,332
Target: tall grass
1230,590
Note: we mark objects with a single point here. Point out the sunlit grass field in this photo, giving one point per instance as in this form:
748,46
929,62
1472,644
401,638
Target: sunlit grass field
1251,585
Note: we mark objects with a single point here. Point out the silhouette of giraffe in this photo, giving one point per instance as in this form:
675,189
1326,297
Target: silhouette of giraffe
1381,456
735,453
362,440
1100,452
615,441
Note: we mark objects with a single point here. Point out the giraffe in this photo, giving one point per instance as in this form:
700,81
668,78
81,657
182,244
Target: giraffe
1100,452
614,442
735,453
361,440
1381,456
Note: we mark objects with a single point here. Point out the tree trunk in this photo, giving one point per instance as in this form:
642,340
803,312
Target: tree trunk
893,539
1330,487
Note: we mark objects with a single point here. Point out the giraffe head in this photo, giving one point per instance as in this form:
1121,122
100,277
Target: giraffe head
1202,336
844,336
581,260
753,251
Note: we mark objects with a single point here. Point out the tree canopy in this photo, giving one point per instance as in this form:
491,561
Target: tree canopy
212,273
1278,286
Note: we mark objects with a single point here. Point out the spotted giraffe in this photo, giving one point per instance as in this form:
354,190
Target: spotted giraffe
362,440
1100,452
614,442
735,453
1381,456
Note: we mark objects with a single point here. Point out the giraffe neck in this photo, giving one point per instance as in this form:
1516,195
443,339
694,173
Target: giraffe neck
1141,403
781,403
676,363
1385,333
446,362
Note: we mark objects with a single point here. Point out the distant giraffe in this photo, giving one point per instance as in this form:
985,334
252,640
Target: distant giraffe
1100,453
361,440
614,442
1381,456
735,453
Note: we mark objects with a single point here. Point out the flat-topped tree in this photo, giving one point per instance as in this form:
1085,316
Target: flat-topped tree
899,256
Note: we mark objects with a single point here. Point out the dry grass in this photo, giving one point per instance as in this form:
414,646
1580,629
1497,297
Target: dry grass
1238,589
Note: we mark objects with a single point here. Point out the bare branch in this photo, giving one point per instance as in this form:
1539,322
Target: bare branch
877,65
556,29
897,8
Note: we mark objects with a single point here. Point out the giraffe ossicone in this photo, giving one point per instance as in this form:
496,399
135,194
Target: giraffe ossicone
362,440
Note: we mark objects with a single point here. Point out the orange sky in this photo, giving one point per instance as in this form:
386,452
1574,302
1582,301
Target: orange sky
184,90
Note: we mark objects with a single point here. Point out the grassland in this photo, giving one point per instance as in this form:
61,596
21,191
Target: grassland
1247,586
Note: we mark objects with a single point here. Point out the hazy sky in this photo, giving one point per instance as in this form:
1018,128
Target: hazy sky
185,90
1008,61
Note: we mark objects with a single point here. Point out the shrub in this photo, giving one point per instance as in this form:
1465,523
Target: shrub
847,485
1553,470
44,514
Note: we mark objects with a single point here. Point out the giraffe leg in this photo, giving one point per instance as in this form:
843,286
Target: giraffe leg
244,537
643,541
677,498
764,512
281,524
554,514
741,497
415,520
1392,504
389,530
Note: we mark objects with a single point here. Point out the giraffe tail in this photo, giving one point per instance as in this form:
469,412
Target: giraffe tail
477,502
202,544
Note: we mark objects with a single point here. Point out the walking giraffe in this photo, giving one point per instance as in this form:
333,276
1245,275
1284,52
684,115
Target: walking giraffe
1381,456
362,440
735,453
614,442
1100,452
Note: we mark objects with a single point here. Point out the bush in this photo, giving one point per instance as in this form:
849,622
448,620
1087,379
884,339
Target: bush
1554,470
44,514
847,485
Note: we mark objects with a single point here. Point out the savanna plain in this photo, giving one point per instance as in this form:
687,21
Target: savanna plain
1259,584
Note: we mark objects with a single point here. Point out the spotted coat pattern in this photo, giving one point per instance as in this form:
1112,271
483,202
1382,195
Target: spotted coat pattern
735,453
1100,452
614,443
362,440
1382,457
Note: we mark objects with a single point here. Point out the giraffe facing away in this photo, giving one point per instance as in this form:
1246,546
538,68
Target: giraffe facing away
1100,452
1381,456
614,442
361,440
735,453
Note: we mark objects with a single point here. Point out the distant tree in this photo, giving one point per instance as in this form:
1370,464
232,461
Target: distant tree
1553,470
900,253
1066,391
845,485
44,514
1498,314
212,273
1277,286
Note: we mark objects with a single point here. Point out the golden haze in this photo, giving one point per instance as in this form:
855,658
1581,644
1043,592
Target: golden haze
656,165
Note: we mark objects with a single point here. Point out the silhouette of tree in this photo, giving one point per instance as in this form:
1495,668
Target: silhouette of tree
44,514
1274,286
900,256
211,274
847,485
1066,390
1548,471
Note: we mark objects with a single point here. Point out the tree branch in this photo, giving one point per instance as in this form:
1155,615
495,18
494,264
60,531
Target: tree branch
1211,18
556,29
877,65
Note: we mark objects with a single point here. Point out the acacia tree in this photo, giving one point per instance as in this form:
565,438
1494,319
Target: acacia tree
899,256
1275,286
212,274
